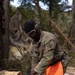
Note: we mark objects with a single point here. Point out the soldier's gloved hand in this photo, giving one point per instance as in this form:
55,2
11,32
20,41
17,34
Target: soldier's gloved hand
33,73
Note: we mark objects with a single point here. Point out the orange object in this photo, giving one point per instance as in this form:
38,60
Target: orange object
55,69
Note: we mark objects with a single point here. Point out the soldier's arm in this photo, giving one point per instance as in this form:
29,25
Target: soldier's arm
47,57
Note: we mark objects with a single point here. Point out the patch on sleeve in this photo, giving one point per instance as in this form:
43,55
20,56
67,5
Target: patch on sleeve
50,45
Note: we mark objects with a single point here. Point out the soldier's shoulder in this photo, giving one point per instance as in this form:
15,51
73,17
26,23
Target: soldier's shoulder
46,33
47,36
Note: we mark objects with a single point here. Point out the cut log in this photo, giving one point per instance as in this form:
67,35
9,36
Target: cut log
4,72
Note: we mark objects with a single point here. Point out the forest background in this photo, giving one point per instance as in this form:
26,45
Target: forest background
13,18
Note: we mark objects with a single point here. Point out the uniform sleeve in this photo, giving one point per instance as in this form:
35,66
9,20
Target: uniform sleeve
47,57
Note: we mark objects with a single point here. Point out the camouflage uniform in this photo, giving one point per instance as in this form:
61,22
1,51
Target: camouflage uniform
46,52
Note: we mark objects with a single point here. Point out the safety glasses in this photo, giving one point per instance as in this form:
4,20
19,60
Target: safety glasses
31,33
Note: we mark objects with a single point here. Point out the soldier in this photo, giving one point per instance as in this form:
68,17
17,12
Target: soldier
45,49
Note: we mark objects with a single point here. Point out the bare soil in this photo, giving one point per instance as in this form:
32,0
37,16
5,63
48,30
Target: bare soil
70,70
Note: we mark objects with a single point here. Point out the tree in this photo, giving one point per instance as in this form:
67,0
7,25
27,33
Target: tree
6,34
72,29
1,34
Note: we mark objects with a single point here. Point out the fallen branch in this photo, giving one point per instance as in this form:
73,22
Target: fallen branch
55,26
5,72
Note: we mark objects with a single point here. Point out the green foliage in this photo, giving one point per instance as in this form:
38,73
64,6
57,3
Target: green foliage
12,10
62,19
27,14
26,64
23,65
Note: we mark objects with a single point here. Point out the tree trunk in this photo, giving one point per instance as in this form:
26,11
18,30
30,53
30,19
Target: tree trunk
6,40
39,11
50,14
73,21
72,28
1,33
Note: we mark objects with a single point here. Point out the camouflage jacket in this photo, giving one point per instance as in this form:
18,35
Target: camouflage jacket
45,52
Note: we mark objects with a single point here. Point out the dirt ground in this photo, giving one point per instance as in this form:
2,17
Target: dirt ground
70,70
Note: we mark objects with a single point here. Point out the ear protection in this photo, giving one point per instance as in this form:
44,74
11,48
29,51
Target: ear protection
37,26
